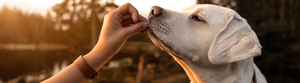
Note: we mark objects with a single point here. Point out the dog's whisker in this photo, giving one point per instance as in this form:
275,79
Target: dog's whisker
172,62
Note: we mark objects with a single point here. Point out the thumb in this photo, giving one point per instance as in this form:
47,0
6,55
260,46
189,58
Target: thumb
137,27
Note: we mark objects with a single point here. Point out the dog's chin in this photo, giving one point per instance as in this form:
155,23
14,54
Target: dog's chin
163,45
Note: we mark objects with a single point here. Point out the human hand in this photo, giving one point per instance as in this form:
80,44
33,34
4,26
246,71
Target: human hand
119,25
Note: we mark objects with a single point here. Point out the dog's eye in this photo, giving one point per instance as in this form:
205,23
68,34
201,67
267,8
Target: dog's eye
197,18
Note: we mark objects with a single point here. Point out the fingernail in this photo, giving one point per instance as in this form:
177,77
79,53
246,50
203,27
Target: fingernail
145,25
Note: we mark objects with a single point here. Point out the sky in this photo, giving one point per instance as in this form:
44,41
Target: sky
143,6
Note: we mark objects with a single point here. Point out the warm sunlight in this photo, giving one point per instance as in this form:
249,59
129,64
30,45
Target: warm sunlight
144,6
43,3
33,3
40,38
42,6
38,6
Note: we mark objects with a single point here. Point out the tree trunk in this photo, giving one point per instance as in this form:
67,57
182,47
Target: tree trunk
93,24
281,11
143,75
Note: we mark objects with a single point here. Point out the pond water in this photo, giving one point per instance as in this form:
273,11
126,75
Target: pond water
21,63
32,63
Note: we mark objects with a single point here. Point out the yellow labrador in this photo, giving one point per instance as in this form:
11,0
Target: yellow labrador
213,44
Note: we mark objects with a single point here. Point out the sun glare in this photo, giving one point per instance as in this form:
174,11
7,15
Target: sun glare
38,6
144,6
43,3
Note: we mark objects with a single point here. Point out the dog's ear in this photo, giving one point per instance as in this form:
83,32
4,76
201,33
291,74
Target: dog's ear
236,41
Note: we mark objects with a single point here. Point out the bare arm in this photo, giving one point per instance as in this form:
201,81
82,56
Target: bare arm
118,26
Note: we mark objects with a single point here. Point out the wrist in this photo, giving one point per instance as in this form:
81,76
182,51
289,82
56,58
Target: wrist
85,68
98,57
102,52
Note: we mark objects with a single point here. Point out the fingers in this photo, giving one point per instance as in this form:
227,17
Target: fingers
127,20
130,19
145,30
135,28
129,23
126,17
141,18
129,9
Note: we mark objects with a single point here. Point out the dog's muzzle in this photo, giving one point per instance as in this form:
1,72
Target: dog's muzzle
158,28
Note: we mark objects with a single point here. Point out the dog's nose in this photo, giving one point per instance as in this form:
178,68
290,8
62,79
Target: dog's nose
156,11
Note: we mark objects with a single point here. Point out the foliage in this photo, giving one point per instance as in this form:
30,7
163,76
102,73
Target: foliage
19,27
81,20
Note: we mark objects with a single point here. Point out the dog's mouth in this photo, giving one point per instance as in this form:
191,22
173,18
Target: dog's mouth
163,45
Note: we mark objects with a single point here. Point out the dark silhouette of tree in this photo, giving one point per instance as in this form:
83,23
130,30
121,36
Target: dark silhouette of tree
204,2
275,22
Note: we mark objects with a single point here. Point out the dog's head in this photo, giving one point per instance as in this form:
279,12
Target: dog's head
203,33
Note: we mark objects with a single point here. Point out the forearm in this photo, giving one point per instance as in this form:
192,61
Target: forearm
68,75
100,55
71,74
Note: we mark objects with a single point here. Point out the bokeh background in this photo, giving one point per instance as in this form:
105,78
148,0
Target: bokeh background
38,38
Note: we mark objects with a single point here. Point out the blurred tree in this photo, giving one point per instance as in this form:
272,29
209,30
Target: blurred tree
225,3
75,16
204,2
19,27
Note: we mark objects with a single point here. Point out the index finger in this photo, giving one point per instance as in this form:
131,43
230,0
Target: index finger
142,19
129,9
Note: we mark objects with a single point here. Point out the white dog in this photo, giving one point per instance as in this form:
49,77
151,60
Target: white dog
213,44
